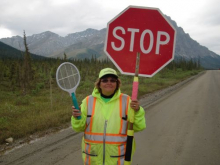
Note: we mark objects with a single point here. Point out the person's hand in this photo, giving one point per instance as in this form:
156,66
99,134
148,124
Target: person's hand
76,112
135,105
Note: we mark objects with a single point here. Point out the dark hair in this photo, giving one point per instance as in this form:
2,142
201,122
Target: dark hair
98,81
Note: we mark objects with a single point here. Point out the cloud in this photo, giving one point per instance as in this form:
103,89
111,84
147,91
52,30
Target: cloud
5,32
199,18
62,17
210,14
207,26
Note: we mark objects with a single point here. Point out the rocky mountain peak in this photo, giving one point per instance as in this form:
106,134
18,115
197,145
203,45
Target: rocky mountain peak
86,43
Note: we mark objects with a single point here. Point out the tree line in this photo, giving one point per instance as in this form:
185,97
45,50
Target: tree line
30,75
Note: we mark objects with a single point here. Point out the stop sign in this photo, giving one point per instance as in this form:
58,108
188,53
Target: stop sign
144,30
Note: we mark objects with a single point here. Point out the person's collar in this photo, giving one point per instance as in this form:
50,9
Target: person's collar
96,93
102,95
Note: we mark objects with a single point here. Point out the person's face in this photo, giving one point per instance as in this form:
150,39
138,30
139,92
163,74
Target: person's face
108,85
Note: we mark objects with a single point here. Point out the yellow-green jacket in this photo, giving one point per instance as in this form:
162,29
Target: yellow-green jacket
105,126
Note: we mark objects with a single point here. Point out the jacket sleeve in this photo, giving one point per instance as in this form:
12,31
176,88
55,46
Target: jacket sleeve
80,125
139,119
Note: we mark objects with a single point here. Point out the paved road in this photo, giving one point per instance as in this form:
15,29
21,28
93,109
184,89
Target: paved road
182,129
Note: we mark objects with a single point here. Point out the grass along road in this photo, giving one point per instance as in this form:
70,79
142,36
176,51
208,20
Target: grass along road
50,107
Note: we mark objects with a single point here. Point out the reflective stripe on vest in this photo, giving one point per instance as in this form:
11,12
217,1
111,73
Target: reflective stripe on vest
88,154
124,101
121,152
91,101
110,138
119,138
87,151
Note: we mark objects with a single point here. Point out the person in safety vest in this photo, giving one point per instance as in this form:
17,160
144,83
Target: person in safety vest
104,121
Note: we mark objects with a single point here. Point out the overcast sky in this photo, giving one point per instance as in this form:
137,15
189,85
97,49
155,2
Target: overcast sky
199,18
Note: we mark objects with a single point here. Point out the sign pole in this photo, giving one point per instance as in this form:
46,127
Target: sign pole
130,132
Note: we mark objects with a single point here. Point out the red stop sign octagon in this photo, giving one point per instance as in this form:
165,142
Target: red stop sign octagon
144,30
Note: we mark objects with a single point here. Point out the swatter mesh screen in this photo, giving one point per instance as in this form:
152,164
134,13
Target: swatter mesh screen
68,76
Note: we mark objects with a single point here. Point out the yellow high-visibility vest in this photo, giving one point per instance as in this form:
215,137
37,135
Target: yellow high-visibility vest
105,140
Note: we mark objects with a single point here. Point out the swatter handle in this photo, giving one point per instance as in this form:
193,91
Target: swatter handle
75,103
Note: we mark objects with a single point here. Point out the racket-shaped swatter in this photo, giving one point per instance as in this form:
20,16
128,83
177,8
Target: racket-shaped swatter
68,79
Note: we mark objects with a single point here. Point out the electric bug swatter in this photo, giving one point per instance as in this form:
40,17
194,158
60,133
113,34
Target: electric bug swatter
68,79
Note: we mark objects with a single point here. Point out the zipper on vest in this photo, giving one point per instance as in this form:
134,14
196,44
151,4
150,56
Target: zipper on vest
104,141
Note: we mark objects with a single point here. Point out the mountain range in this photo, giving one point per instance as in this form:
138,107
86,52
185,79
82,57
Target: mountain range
90,43
7,51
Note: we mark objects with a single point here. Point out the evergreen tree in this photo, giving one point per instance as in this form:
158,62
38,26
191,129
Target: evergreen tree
27,68
65,57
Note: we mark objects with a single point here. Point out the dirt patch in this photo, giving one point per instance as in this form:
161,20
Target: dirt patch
26,140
